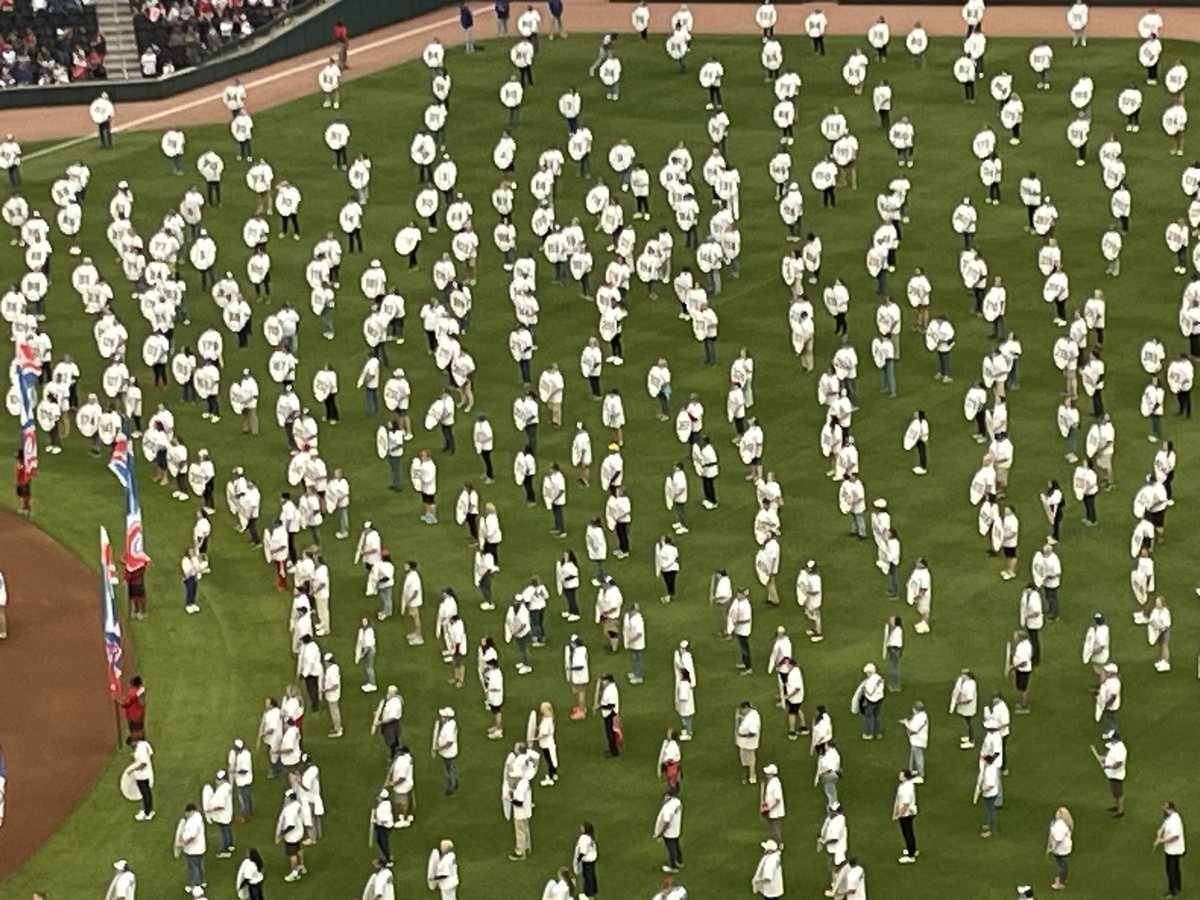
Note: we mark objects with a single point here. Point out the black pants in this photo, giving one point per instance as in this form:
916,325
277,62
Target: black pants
551,768
530,497
147,793
594,385
331,410
623,536
744,650
312,684
1174,876
488,471
448,439
391,736
354,238
1185,403
383,840
710,489
214,192
1035,642
610,734
293,220
910,836
674,852
669,581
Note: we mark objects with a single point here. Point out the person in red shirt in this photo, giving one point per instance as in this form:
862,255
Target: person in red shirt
135,579
24,485
134,704
341,37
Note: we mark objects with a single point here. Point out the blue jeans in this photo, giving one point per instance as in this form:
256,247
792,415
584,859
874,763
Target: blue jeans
850,386
1051,595
687,724
537,623
189,592
943,357
368,664
385,600
485,589
1060,863
872,726
917,760
889,376
245,801
372,395
343,515
451,767
560,526
195,869
744,650
893,585
829,784
226,837
523,649
894,654
989,813
681,513
637,663
397,473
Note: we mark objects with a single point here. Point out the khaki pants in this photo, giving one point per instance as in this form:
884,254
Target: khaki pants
3,622
335,714
521,834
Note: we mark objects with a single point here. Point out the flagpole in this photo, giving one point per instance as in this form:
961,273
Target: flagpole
117,720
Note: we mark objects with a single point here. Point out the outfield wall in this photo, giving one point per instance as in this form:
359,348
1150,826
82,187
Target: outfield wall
307,28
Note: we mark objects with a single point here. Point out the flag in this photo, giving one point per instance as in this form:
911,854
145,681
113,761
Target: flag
27,368
121,464
110,624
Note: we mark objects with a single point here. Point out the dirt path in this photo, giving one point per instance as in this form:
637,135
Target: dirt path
387,47
56,718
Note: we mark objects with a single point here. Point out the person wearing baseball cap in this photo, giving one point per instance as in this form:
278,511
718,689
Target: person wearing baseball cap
772,807
124,883
768,877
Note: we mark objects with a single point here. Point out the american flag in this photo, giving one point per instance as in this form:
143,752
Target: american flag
27,367
110,623
121,464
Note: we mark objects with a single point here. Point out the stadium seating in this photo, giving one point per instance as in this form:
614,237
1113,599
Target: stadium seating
59,42
174,34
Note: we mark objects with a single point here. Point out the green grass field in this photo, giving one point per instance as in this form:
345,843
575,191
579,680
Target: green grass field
208,674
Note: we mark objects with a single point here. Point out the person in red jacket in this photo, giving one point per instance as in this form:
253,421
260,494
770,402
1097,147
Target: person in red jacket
134,704
341,37
24,485
135,579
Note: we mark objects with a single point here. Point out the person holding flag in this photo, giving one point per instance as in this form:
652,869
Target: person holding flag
121,464
26,374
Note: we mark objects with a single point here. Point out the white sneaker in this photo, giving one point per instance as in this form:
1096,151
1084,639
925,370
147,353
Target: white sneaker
1162,666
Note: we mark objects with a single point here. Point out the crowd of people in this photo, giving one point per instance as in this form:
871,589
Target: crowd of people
55,43
176,34
292,532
